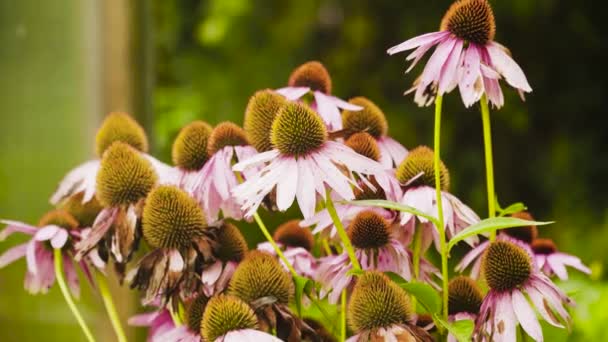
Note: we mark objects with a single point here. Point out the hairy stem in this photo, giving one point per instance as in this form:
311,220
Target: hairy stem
487,143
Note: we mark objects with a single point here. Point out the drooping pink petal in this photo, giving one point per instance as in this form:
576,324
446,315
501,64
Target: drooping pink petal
557,267
392,153
71,276
30,256
287,185
247,335
572,261
13,254
60,238
409,44
305,195
255,160
450,68
46,233
433,68
470,84
526,316
539,302
505,327
293,93
102,224
333,176
328,111
417,55
16,227
82,178
211,273
506,66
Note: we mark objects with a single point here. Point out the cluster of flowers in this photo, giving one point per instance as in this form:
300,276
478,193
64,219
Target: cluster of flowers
296,146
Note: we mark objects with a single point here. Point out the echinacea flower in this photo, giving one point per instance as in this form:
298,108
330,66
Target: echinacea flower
158,323
375,248
301,165
464,300
466,56
216,181
261,110
116,127
231,250
229,319
296,243
261,282
124,179
514,281
551,261
189,153
312,77
174,226
56,230
371,120
191,330
416,173
379,310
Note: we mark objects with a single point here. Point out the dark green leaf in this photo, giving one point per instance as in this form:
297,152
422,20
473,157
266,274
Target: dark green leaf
424,293
462,330
302,286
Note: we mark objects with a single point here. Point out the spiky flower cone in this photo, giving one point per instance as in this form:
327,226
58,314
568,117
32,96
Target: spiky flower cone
120,127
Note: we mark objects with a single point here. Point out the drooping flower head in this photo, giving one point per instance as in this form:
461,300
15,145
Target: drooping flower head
553,262
301,164
175,227
379,308
215,182
189,151
466,56
124,179
417,174
261,110
232,248
513,278
372,120
313,77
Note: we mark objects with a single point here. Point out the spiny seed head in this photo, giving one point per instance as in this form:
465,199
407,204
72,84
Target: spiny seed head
420,159
84,213
124,176
194,312
370,119
544,246
526,234
190,146
290,234
313,75
226,134
471,20
232,244
376,302
261,110
297,130
171,218
364,144
506,265
120,127
369,230
225,313
260,275
59,217
464,296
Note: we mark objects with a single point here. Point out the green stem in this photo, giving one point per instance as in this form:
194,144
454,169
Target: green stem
342,233
177,321
416,258
269,238
441,228
67,296
487,143
106,295
343,316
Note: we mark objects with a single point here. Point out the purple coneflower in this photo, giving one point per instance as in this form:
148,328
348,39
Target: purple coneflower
216,181
312,77
465,300
231,250
191,330
116,127
512,277
56,230
466,56
158,323
296,243
550,261
372,120
301,164
189,153
416,173
379,310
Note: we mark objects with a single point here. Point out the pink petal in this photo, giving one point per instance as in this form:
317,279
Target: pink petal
13,254
450,68
255,160
16,227
212,273
328,111
344,105
506,66
333,176
293,93
470,84
526,316
305,195
539,302
391,152
81,178
573,261
557,267
433,68
30,256
103,222
505,327
71,276
46,233
424,39
287,185
60,238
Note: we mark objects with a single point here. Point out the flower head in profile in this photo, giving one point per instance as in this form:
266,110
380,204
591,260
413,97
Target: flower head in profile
517,288
57,230
301,164
379,310
466,56
216,181
371,120
464,300
230,251
117,127
296,243
553,262
417,174
313,77
189,152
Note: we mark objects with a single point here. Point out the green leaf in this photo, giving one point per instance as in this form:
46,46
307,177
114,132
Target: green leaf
462,330
512,209
424,293
491,224
355,272
302,285
394,206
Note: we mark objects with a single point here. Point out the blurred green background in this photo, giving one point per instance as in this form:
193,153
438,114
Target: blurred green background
66,63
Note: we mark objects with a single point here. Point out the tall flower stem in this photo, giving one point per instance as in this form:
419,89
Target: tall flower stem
441,228
67,296
343,316
487,143
269,238
416,258
342,233
106,295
